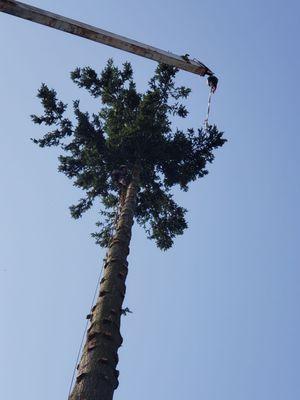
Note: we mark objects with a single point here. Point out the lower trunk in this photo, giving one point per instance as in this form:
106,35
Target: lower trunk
97,375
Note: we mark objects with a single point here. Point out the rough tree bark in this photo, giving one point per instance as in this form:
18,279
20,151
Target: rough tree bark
97,376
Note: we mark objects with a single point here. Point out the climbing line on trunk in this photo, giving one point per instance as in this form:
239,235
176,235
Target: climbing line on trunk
85,330
117,210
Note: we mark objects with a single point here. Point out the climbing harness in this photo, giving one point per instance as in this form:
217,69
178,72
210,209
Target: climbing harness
212,82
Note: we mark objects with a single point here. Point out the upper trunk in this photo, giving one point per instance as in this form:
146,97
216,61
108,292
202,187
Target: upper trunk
97,375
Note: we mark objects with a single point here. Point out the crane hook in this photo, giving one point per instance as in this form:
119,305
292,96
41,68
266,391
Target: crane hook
212,82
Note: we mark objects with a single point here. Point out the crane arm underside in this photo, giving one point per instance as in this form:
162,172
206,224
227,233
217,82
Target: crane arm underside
90,32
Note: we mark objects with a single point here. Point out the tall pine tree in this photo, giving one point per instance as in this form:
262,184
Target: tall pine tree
128,156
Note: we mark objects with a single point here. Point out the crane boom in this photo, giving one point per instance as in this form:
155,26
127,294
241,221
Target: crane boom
78,28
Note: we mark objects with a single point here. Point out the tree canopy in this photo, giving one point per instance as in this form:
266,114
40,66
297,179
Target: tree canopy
130,128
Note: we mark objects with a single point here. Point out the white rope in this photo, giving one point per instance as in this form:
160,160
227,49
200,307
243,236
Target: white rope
118,208
208,110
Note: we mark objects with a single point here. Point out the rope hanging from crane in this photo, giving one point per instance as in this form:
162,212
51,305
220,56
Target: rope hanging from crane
212,82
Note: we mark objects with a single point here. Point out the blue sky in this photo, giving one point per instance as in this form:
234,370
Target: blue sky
214,318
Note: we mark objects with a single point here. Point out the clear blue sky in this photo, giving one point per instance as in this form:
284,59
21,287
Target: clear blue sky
216,317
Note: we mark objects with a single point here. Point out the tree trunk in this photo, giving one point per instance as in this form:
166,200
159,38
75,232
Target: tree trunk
97,375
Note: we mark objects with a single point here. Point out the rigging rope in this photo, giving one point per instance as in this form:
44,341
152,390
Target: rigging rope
208,110
85,330
118,211
212,82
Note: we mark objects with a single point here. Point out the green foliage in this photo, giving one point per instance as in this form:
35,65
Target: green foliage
129,128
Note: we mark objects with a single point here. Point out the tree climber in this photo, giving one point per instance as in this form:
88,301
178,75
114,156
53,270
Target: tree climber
120,176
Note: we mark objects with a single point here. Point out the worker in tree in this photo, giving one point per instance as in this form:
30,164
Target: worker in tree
119,176
212,82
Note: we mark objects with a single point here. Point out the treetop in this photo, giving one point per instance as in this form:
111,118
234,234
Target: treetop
130,128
